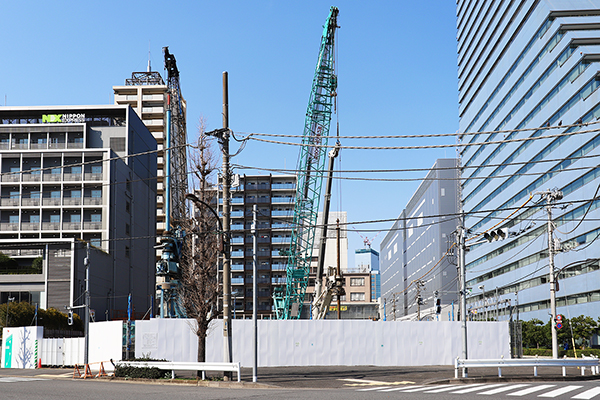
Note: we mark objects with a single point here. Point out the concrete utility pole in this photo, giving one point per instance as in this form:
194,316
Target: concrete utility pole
86,310
463,293
227,356
339,270
254,289
551,197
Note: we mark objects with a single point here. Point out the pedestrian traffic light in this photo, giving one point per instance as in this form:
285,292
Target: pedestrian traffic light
70,317
438,306
496,234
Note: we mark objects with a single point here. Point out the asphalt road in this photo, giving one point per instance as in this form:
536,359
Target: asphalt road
41,388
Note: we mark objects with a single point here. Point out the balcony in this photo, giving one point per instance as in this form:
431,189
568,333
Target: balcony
30,202
71,226
42,146
279,225
32,177
264,307
9,202
92,225
56,145
237,214
50,226
72,201
259,280
52,177
9,226
51,201
278,267
278,280
237,240
237,281
92,201
237,253
237,227
11,177
3,145
72,177
20,146
281,240
23,252
30,226
92,176
282,213
282,200
75,145
288,186
276,253
237,267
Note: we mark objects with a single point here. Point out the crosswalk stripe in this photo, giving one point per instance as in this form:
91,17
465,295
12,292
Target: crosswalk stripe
17,379
504,388
559,391
443,389
474,389
416,389
530,390
588,394
373,388
396,389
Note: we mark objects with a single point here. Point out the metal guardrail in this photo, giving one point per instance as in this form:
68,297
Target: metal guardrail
186,366
584,362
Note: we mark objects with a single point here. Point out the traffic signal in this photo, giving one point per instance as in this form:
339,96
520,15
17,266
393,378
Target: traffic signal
438,306
70,317
496,234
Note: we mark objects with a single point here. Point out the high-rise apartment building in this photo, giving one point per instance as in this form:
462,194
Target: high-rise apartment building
528,70
71,175
146,93
414,263
274,197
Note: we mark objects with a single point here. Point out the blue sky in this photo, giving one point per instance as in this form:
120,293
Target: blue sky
396,74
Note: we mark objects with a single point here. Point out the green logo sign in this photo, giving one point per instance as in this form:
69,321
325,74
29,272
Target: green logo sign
63,118
8,352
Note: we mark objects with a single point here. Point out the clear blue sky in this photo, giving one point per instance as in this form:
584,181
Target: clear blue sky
396,67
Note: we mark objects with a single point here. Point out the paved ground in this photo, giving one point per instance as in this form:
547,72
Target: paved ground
356,376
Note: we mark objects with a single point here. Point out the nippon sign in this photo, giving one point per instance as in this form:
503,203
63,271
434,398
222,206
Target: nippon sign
63,118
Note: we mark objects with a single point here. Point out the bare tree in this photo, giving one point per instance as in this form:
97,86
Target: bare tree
200,253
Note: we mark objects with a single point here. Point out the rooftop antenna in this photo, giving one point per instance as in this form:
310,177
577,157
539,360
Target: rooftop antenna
149,67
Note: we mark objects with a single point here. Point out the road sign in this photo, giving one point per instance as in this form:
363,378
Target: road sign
559,317
558,326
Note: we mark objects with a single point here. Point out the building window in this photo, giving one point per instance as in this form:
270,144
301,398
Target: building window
127,251
35,194
76,194
75,218
357,297
127,229
55,194
14,195
34,219
96,242
128,185
128,207
55,218
75,170
96,193
13,219
96,169
96,217
357,281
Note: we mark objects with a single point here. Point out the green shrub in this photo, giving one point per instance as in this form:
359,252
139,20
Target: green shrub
127,371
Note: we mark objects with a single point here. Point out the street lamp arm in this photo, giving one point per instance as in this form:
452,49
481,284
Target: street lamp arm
195,199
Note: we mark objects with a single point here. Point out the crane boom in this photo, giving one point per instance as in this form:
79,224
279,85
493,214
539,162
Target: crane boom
311,163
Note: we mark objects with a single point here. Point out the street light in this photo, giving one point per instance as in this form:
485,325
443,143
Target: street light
7,304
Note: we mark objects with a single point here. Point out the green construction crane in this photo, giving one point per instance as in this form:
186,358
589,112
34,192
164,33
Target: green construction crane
311,163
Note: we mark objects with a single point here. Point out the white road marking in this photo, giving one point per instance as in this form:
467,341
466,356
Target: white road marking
394,389
444,389
588,394
17,379
373,388
416,389
504,389
475,388
559,391
530,390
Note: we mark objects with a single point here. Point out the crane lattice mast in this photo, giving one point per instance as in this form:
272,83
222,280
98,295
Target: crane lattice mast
311,164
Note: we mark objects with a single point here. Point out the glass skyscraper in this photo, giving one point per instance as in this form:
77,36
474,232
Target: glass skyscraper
529,106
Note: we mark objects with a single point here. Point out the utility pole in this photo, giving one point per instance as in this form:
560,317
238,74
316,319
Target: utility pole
551,197
227,356
254,289
339,270
86,298
463,292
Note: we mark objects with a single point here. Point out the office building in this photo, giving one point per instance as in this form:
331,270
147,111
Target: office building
70,175
528,70
367,260
414,260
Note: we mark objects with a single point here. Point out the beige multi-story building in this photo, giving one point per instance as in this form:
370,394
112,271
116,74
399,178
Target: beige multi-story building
146,94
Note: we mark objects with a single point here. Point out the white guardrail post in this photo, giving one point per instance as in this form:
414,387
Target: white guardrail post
590,361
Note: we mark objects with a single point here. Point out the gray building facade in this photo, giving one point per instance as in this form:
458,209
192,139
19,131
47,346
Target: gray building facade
72,175
413,258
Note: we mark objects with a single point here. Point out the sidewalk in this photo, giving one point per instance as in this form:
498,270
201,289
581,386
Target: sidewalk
330,377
